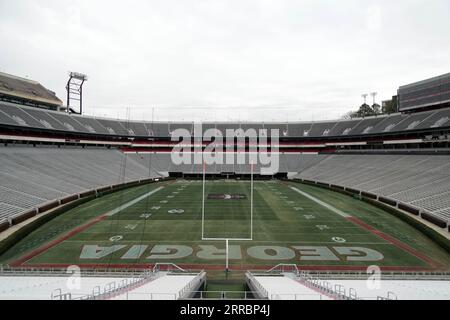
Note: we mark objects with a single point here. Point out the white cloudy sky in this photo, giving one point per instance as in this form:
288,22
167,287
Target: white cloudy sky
226,60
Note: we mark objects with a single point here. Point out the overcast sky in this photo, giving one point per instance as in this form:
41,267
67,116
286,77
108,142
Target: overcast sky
226,60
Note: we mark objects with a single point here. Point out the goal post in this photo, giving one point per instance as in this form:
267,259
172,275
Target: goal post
226,238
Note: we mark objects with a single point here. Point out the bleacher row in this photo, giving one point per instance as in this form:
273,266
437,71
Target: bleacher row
420,181
30,177
22,116
288,163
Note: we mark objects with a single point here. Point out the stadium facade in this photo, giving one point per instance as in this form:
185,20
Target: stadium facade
425,94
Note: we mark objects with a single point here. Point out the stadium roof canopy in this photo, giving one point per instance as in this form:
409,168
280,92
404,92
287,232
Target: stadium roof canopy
17,89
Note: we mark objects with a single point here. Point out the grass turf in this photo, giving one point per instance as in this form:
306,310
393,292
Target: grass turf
146,232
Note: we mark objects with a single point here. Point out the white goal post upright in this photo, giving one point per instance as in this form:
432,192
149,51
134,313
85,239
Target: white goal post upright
227,239
203,200
251,200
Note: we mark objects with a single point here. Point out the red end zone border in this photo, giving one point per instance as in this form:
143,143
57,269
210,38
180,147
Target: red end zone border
397,243
53,243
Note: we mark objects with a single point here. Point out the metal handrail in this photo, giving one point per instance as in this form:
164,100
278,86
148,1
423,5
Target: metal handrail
157,266
261,290
284,265
223,295
194,282
110,290
29,271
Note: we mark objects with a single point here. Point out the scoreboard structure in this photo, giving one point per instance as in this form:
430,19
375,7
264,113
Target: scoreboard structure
428,93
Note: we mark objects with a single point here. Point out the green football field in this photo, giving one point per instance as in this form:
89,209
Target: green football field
291,223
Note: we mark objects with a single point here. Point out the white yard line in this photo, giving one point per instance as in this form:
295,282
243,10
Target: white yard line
323,204
132,202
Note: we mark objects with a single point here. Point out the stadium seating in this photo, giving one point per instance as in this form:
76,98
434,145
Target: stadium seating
22,116
32,176
162,163
418,180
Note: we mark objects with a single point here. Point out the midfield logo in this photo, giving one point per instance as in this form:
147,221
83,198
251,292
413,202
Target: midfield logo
214,196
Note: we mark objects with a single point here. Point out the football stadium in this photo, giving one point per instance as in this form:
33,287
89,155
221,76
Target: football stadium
103,208
111,199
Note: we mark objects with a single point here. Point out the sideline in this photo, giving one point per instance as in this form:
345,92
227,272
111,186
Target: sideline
132,202
323,204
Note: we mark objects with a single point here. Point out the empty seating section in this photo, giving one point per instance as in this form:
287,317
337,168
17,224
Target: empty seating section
344,128
136,128
223,127
21,117
366,126
159,129
30,177
438,119
46,120
114,127
281,127
301,162
299,129
159,162
69,122
92,125
7,211
11,114
321,129
419,180
389,123
162,164
208,125
413,121
6,119
187,126
249,126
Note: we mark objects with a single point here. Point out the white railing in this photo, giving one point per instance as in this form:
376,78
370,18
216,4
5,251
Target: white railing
384,275
283,267
223,295
296,296
193,284
262,292
169,267
114,289
337,291
55,272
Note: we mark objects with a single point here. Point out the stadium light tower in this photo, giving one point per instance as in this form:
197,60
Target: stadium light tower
365,95
74,89
374,95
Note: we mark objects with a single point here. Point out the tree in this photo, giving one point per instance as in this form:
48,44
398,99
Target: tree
390,106
369,111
